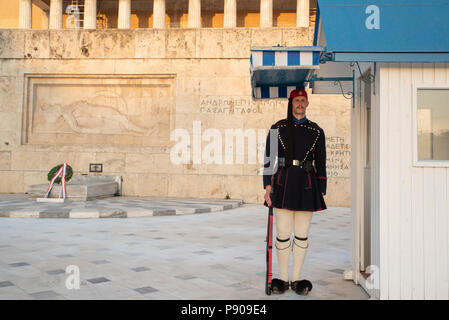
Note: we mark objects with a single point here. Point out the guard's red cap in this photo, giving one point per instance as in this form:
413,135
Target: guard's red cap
298,93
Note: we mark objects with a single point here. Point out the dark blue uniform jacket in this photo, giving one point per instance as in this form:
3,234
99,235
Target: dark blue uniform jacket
294,188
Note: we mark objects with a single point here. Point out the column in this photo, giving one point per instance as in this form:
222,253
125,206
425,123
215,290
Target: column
45,19
266,13
194,14
230,13
25,14
159,14
55,14
302,13
124,14
90,14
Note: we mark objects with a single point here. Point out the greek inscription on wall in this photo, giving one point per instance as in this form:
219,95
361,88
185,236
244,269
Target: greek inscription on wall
235,105
338,159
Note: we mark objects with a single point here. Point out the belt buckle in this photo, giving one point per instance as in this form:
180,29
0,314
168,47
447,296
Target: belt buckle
296,162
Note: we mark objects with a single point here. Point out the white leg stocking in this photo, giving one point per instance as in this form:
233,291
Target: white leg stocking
300,242
284,226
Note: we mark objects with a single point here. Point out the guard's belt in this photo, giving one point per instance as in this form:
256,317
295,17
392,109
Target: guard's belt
308,165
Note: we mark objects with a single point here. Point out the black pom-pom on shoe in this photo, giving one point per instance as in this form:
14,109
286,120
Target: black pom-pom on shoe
302,287
279,286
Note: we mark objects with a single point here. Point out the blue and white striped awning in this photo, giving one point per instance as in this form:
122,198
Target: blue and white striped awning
276,71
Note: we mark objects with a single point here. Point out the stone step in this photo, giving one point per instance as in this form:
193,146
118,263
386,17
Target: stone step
116,207
80,188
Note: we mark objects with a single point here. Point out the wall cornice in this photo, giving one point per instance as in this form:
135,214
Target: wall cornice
205,43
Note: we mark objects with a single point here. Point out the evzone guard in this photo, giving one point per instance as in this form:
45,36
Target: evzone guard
295,190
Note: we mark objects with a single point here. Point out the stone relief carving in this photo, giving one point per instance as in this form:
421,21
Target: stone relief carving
127,110
90,115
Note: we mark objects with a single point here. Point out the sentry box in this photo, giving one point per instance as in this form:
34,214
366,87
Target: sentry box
391,57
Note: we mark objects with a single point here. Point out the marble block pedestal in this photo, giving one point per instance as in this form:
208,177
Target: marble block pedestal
81,188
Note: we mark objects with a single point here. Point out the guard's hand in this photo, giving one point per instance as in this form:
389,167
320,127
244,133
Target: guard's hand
267,195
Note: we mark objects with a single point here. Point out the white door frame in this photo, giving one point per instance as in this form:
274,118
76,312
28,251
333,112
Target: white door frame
358,158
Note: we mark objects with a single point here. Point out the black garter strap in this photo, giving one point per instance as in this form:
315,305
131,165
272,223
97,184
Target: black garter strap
301,239
279,240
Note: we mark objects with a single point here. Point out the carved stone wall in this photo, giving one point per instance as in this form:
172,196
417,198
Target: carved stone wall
115,97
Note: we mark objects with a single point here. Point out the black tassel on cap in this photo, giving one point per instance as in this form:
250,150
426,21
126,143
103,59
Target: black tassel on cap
290,143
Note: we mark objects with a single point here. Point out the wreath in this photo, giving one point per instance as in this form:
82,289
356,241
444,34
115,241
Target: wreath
52,172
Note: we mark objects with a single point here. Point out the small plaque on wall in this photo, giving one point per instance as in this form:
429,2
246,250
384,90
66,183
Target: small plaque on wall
96,167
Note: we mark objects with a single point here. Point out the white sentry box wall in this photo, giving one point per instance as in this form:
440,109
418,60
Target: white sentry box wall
358,151
413,200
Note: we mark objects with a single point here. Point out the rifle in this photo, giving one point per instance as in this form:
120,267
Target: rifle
269,242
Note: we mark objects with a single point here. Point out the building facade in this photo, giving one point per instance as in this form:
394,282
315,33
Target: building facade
157,91
158,13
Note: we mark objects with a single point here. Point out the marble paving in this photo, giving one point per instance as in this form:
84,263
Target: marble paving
219,255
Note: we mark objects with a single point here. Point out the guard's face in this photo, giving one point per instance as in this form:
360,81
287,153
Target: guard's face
299,105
